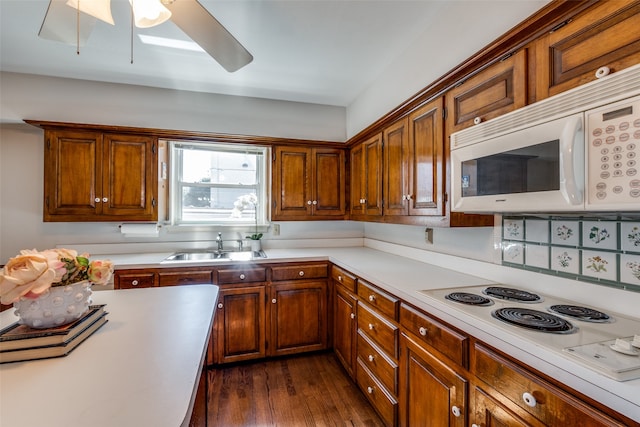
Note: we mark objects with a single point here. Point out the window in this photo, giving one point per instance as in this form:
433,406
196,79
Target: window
218,184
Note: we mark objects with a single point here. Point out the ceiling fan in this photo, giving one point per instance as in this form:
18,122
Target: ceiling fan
62,23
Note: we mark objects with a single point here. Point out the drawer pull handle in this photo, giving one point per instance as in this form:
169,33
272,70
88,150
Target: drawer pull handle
371,326
353,315
273,301
339,278
301,273
456,411
529,400
372,298
135,282
423,331
220,305
242,277
370,390
371,358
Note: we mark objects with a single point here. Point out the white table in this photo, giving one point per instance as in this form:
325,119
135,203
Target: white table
140,369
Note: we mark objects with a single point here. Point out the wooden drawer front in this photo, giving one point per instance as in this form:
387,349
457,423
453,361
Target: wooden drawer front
195,277
135,280
343,277
376,327
301,271
384,403
241,275
445,340
552,406
385,303
380,365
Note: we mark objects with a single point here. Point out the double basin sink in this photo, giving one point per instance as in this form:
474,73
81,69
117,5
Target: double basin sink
194,256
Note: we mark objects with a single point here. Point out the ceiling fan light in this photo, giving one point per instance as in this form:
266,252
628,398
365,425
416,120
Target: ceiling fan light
100,9
149,13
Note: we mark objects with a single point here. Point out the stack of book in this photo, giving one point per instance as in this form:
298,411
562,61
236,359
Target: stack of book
20,342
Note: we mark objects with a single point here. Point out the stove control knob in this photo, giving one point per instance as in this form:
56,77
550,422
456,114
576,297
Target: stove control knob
456,411
529,399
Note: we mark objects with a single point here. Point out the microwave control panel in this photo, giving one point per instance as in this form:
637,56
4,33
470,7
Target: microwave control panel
613,156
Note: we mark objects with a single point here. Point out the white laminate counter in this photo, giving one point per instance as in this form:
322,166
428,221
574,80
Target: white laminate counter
140,369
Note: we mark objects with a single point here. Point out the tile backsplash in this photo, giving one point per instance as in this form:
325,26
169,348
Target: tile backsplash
603,251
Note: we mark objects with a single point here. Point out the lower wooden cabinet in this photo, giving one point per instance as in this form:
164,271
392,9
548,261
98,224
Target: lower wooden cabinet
345,327
486,411
431,392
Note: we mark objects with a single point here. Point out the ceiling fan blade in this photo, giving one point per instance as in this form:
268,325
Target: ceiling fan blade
209,33
61,24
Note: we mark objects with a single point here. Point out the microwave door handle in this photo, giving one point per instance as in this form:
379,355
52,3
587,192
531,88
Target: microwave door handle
571,157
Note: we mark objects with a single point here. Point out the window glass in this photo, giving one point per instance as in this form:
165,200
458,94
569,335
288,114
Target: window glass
218,184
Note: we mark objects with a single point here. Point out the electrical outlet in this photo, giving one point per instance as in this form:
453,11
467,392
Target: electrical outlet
275,229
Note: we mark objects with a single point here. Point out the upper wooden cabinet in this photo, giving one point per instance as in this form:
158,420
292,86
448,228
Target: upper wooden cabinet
95,176
366,178
309,183
605,35
496,90
414,163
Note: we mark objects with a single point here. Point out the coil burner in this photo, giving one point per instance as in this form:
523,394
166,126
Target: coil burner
534,319
511,294
581,313
469,298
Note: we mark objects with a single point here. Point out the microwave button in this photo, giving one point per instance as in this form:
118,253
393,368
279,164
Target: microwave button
635,183
601,186
624,137
635,192
617,157
605,150
636,134
631,155
610,129
617,172
604,159
604,166
601,195
632,172
598,131
597,142
631,146
636,123
624,126
631,163
617,189
610,139
605,175
617,165
617,149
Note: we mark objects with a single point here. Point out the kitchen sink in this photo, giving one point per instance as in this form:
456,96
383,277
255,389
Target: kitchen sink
215,256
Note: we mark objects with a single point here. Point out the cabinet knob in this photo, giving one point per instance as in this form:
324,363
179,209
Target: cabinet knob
97,200
423,331
602,71
372,298
105,200
309,202
409,196
371,358
371,327
242,276
134,282
315,202
529,400
363,201
301,273
220,305
474,425
456,411
273,301
353,315
370,390
477,121
340,279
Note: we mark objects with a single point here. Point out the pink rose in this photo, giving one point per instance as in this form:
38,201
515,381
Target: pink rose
29,272
100,272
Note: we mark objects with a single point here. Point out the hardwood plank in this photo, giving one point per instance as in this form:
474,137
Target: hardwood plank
306,390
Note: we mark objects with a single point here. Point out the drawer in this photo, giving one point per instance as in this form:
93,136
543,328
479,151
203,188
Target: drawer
134,280
385,303
384,403
191,277
430,331
380,365
299,271
544,401
241,275
380,330
343,277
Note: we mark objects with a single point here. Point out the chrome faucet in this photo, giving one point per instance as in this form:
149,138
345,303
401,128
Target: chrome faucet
219,241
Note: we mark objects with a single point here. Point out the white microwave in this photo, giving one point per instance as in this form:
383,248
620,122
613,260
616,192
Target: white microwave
575,152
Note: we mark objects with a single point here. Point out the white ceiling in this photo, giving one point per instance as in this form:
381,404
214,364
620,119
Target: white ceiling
317,51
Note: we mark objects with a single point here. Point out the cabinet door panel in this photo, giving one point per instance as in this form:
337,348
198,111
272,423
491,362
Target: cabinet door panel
329,179
345,326
291,182
489,413
396,170
426,160
357,191
373,176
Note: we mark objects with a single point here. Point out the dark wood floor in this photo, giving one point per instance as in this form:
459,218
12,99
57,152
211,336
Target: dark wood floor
307,390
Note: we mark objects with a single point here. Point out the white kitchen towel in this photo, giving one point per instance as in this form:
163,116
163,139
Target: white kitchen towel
140,230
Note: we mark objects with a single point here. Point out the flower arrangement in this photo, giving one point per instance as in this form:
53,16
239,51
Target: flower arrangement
241,204
31,273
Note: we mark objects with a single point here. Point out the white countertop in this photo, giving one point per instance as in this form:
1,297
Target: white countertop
405,278
140,369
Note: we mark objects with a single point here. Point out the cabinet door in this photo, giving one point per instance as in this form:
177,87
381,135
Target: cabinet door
431,393
132,279
426,160
497,90
357,191
239,325
73,167
129,180
372,176
298,314
487,412
396,168
604,35
329,182
345,328
291,190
